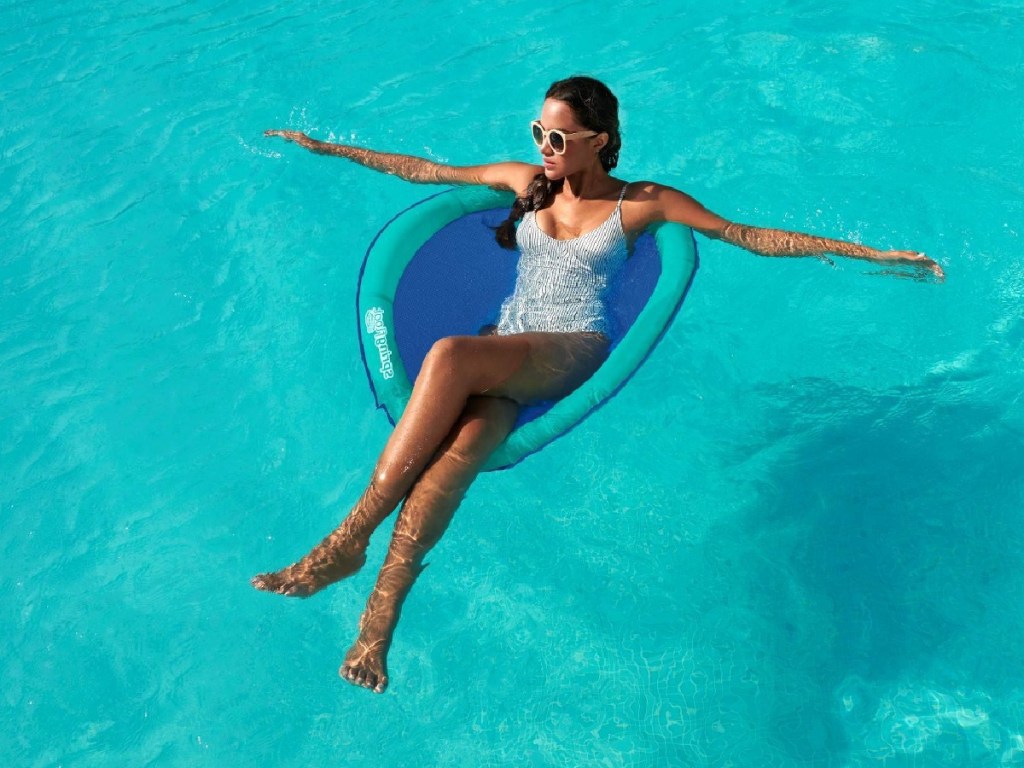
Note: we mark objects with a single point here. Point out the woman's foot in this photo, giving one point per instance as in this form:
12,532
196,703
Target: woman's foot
366,664
329,561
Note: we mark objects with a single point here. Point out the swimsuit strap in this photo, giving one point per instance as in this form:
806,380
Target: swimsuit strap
622,194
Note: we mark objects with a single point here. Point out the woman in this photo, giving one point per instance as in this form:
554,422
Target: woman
576,225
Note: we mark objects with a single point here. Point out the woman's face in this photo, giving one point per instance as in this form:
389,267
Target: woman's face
580,153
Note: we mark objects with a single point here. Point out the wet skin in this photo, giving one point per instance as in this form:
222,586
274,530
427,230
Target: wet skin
468,393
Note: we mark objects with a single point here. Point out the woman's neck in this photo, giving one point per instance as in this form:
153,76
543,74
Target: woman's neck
587,184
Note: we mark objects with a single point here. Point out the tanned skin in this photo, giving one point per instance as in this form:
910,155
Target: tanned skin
646,203
466,398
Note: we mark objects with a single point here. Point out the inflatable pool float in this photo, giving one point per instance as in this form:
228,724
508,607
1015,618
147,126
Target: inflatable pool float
435,270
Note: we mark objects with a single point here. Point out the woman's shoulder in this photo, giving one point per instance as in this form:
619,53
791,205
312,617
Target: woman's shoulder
651,202
647,191
644,203
520,175
510,175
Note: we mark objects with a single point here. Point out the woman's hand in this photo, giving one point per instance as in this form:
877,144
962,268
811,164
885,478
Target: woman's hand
297,136
914,259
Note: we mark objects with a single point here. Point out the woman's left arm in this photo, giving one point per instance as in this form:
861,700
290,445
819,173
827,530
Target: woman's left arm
667,204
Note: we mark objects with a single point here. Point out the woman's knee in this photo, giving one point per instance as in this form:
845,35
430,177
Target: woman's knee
445,361
448,350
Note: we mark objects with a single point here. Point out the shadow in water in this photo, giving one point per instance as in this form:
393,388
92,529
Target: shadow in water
882,559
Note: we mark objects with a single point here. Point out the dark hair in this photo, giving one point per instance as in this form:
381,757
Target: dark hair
597,109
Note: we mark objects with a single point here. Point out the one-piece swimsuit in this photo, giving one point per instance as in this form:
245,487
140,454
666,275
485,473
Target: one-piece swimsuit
563,285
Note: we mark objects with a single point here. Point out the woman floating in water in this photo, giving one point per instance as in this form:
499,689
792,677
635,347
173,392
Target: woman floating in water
577,222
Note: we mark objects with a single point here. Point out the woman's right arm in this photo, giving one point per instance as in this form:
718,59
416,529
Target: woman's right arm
512,176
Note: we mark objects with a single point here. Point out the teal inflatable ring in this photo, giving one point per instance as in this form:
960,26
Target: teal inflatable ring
435,270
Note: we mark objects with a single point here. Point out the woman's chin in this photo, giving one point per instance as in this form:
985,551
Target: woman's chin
552,173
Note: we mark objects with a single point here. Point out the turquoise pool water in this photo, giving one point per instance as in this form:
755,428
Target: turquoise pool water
794,539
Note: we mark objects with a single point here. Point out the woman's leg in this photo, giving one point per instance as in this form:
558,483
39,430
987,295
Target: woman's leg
341,553
523,367
424,518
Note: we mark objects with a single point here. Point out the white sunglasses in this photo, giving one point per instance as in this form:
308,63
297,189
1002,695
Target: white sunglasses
555,138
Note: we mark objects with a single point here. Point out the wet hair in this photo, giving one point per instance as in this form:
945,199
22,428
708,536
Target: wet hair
596,109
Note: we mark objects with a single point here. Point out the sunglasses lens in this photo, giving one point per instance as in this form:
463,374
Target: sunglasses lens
538,134
557,141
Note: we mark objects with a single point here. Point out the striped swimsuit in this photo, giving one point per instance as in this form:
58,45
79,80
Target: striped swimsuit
563,285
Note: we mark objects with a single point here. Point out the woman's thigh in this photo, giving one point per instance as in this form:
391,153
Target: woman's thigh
557,364
524,367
